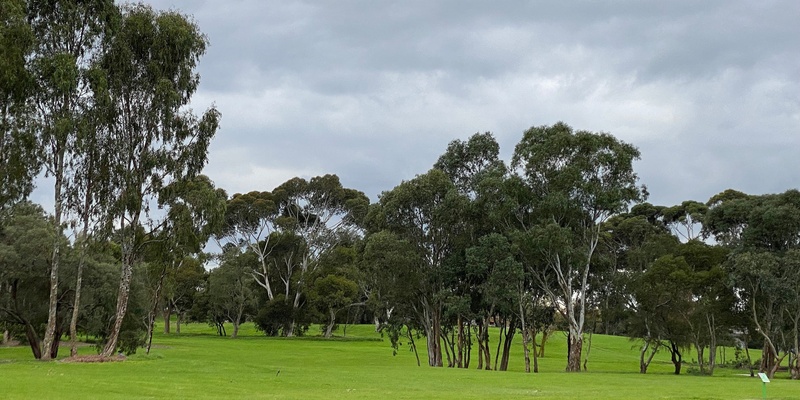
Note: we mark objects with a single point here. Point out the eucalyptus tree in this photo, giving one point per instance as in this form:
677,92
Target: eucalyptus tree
195,210
661,295
320,212
569,183
67,35
149,78
388,275
230,290
502,290
425,212
475,169
712,311
763,233
685,219
19,161
250,223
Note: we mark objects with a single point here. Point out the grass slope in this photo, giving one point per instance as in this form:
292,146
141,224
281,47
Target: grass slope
197,364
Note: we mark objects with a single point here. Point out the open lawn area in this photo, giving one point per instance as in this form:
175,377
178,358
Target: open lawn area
198,364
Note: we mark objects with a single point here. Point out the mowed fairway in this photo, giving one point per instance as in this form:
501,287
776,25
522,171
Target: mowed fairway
198,364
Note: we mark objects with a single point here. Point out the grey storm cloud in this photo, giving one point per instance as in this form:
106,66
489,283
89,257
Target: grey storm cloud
374,90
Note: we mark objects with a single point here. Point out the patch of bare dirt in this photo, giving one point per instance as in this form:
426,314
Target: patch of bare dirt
93,358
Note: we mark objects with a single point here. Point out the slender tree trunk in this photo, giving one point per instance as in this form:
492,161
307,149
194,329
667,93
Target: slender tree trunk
76,305
749,360
30,333
509,339
56,341
545,335
122,306
6,337
712,344
167,317
331,322
413,344
49,334
237,320
448,347
499,343
151,317
467,354
643,364
535,352
525,351
794,362
676,357
461,342
525,335
178,320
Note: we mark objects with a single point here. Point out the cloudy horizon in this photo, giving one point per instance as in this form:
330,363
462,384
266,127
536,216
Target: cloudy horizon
373,91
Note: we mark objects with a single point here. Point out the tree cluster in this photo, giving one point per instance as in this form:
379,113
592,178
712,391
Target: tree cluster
95,97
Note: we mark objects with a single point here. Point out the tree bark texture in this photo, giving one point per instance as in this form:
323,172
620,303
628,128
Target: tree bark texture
575,349
122,307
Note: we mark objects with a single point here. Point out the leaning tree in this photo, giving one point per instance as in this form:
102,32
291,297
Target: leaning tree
149,77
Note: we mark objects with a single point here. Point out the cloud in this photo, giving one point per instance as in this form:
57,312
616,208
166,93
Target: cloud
374,90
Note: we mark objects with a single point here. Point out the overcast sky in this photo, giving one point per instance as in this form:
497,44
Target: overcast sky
373,91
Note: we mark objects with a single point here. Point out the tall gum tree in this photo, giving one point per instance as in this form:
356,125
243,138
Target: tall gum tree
67,35
576,180
250,223
321,212
425,213
149,62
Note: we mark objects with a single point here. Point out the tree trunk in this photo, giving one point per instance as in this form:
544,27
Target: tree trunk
676,357
331,322
535,351
449,348
290,330
52,311
525,343
30,333
6,336
76,306
461,343
413,344
545,336
33,341
509,338
575,349
499,343
56,341
468,352
122,306
167,317
643,364
235,329
749,360
151,317
178,321
434,340
712,343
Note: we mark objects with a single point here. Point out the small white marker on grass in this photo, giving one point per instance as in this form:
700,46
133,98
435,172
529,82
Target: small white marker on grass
764,382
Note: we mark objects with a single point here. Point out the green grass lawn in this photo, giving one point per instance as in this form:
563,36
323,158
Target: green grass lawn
198,364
